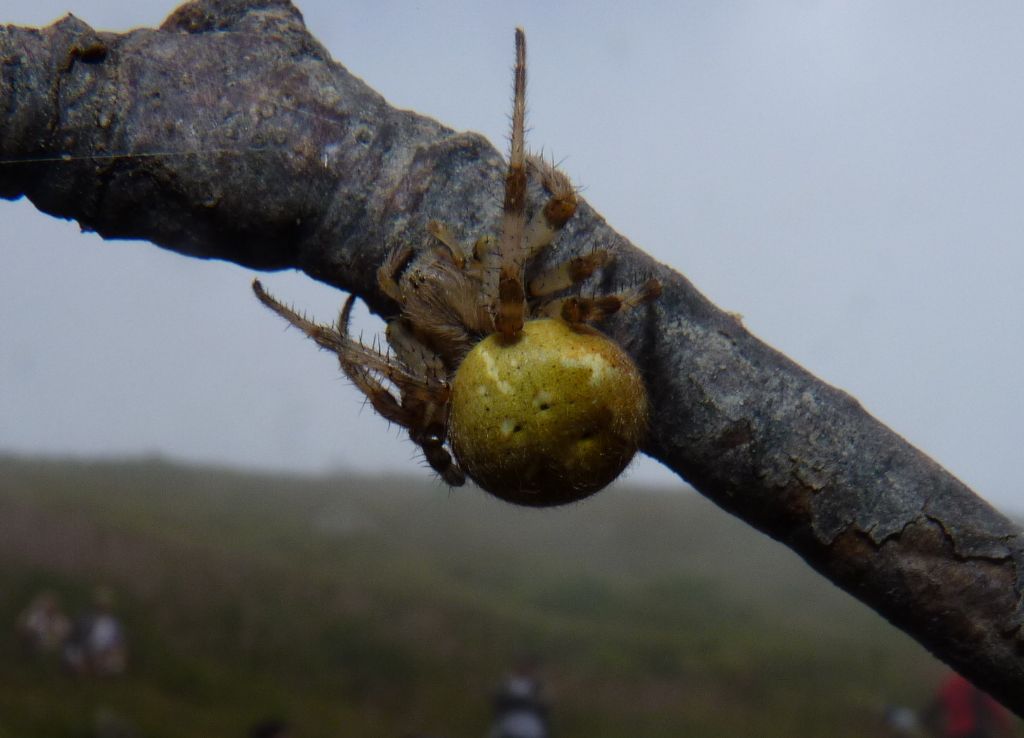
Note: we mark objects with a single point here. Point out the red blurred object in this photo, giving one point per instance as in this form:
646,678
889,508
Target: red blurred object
961,710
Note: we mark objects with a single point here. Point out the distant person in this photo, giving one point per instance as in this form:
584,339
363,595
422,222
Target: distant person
961,710
43,627
900,722
519,708
98,645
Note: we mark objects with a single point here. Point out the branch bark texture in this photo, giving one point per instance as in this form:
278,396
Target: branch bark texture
251,145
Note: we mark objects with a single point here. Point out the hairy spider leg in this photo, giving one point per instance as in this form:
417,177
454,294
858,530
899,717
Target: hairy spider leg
336,339
510,308
421,411
413,353
325,336
444,234
386,273
439,299
560,207
568,273
575,309
439,458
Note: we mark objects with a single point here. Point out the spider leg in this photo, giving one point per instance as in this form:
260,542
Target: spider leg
462,286
549,220
444,234
324,336
413,353
439,459
576,310
443,310
568,273
416,414
359,362
510,306
423,430
382,400
386,280
422,410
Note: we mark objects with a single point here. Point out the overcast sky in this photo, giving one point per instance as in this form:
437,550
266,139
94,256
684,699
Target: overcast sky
847,175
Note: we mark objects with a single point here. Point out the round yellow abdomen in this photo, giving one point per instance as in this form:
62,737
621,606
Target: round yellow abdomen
548,418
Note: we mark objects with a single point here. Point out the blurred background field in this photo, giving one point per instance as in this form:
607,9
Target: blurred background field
392,607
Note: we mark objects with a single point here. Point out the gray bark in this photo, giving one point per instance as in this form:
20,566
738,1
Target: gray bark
253,146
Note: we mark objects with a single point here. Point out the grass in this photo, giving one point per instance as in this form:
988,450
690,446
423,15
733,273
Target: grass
384,606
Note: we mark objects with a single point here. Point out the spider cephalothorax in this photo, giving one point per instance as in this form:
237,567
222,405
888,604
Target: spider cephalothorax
492,375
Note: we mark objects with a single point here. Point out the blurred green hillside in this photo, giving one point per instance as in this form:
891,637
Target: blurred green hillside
388,606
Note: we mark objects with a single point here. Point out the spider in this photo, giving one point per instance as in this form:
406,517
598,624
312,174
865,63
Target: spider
495,376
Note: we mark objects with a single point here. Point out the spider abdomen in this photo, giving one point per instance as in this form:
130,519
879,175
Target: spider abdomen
549,417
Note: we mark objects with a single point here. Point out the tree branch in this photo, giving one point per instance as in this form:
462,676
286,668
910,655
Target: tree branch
229,133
